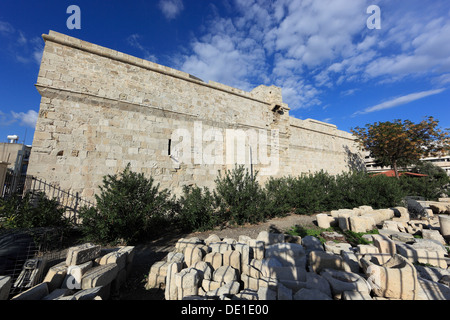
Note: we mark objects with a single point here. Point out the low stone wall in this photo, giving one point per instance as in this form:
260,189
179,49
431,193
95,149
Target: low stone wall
88,273
395,265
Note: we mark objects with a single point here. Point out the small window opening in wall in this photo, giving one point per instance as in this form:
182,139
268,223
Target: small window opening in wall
60,153
169,147
278,109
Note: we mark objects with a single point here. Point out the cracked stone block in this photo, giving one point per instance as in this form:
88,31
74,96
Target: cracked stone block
82,253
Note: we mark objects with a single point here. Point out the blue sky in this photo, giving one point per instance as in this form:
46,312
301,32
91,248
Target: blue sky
330,65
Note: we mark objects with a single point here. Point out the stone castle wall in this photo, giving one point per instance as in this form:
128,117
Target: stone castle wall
102,109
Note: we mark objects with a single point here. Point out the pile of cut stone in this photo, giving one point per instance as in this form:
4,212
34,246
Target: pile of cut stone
88,273
282,267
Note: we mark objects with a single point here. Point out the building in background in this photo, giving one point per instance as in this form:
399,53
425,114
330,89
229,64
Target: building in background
442,162
14,156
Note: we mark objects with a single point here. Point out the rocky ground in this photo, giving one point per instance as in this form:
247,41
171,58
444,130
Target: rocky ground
146,255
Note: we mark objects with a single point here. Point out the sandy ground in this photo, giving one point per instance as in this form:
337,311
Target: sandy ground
146,255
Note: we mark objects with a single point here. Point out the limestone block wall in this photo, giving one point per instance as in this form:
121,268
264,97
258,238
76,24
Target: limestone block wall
102,109
316,145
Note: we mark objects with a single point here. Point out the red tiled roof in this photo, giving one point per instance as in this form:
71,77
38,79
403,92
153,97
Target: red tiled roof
391,173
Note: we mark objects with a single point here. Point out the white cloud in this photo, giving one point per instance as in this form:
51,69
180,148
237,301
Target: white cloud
400,101
24,49
133,40
26,119
6,28
304,45
171,8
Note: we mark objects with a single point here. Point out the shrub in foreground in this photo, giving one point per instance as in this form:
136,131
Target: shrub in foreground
130,207
31,211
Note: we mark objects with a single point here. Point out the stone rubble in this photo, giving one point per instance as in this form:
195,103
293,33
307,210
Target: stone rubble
395,265
88,273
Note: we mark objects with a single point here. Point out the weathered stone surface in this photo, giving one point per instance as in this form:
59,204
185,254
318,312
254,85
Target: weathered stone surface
289,254
425,251
118,256
319,260
193,254
352,261
429,245
433,235
212,238
367,248
204,268
175,257
171,290
341,281
333,236
256,248
91,294
355,295
270,238
432,273
75,274
255,284
336,247
210,285
311,244
384,244
244,251
247,294
400,214
310,294
56,275
398,236
220,247
183,243
37,292
395,279
362,223
344,222
225,274
430,290
187,282
99,276
444,222
229,288
283,292
324,220
215,259
289,273
232,258
5,286
265,293
82,253
57,294
397,226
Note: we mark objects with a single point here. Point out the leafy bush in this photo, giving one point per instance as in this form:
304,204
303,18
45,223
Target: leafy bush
358,188
313,192
129,208
31,211
196,211
239,197
320,192
431,187
278,195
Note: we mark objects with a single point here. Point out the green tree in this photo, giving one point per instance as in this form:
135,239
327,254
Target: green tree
402,143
